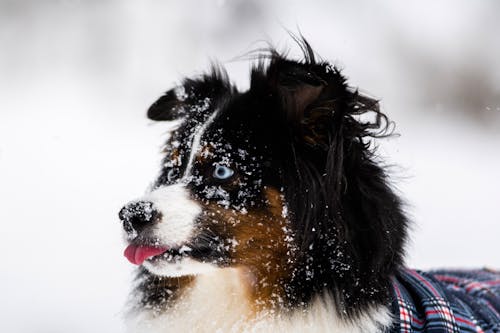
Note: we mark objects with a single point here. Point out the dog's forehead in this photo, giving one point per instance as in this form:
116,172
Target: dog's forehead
225,141
227,132
229,128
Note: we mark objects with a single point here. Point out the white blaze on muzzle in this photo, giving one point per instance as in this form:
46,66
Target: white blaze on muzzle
178,214
178,211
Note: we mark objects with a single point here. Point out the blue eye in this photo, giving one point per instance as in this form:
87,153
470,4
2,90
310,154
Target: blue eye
172,174
222,172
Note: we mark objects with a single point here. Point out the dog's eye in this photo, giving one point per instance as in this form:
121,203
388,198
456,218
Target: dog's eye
172,174
222,172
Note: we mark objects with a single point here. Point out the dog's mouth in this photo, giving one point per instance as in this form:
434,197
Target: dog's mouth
137,254
202,248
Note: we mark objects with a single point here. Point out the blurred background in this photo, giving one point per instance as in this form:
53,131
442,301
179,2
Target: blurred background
77,76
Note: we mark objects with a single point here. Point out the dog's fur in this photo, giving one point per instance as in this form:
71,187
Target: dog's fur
304,231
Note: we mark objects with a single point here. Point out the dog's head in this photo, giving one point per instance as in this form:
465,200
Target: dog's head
279,179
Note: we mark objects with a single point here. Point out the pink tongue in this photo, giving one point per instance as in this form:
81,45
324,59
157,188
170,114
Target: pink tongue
137,254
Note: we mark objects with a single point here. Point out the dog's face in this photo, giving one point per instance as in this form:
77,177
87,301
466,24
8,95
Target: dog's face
277,179
217,201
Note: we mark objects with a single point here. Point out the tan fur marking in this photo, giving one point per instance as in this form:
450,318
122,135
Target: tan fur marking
175,155
261,249
206,152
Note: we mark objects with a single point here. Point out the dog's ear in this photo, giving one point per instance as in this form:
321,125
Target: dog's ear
193,97
298,89
167,107
317,102
309,95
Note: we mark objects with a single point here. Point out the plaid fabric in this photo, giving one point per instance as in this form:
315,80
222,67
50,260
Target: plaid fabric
446,301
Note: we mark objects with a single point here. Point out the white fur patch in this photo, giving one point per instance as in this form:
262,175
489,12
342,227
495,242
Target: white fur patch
178,212
183,267
196,144
218,303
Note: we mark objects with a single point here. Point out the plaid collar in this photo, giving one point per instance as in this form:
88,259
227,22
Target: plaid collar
446,301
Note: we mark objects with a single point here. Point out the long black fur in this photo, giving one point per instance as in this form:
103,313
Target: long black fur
308,131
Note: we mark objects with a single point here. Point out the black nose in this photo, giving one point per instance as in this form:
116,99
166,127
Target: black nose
137,215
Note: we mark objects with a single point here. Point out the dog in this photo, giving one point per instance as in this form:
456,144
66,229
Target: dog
272,214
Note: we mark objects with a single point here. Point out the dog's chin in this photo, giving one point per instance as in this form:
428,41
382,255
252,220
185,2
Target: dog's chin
182,266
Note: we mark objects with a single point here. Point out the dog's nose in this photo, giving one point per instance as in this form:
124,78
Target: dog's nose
137,215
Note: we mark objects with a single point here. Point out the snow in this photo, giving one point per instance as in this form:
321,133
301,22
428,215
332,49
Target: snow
77,77
184,248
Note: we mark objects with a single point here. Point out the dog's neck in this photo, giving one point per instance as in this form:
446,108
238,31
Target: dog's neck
225,301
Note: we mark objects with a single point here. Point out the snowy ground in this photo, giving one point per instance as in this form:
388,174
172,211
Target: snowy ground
77,76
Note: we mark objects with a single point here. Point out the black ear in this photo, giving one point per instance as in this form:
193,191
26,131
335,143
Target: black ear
193,97
317,102
167,107
298,88
309,94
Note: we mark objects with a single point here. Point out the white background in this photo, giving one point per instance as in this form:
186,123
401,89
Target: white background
77,76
